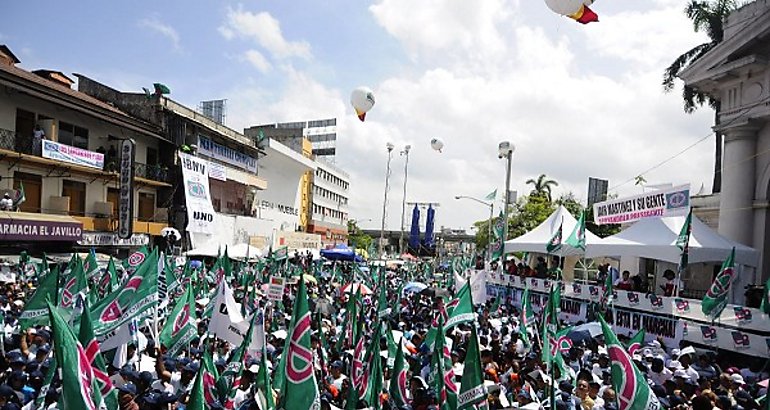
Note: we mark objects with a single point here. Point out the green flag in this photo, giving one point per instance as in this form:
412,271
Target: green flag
91,266
442,372
527,317
715,299
73,285
230,380
262,383
683,242
463,309
633,392
301,385
180,327
491,196
497,247
472,390
20,197
765,307
577,239
374,374
49,375
109,280
79,388
554,245
91,347
137,295
197,399
398,385
636,342
36,310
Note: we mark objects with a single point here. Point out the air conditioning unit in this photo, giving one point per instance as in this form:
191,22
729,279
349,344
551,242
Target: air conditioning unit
59,205
103,209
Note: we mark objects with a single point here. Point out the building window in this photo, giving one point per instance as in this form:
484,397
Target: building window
32,190
146,207
73,135
76,191
586,270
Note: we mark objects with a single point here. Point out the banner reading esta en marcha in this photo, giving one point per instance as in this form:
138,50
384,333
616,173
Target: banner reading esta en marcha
656,204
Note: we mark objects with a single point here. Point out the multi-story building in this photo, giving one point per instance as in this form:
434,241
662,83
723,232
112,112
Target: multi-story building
326,190
59,147
234,170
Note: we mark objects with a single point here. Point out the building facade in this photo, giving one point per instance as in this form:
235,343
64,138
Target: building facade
234,178
736,72
59,147
325,190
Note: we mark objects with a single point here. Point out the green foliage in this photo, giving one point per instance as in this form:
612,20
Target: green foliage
356,237
542,186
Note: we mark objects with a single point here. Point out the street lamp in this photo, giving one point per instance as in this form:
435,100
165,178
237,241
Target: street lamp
405,152
505,150
389,146
491,206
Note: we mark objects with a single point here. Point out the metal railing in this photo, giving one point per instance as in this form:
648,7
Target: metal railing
11,140
153,172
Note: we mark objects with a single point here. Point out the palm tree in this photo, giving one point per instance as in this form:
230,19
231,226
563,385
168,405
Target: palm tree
708,15
542,186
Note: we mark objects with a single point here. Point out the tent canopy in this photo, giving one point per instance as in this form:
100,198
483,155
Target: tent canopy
655,238
536,239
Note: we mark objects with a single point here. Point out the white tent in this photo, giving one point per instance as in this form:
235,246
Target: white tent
655,238
536,239
242,250
210,249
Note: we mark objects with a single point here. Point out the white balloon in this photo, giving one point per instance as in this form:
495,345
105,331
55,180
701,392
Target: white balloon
362,99
567,7
436,144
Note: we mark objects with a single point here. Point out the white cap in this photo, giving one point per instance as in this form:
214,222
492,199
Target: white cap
647,352
674,364
675,353
655,343
737,378
683,374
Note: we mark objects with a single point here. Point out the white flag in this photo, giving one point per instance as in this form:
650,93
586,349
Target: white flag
227,322
479,286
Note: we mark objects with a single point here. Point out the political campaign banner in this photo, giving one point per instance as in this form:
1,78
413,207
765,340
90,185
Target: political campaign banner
654,204
200,212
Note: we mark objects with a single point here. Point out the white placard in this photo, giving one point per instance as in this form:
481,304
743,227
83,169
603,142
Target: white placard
200,213
275,290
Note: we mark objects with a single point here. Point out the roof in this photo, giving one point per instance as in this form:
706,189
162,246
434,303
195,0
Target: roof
655,238
7,51
536,239
48,89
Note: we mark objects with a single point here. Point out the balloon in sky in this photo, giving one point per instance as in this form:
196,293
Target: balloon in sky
362,99
574,9
436,144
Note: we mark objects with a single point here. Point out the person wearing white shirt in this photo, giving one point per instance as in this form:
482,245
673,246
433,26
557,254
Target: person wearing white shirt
658,374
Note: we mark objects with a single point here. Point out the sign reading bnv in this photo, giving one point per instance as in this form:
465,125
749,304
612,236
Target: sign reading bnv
655,204
201,217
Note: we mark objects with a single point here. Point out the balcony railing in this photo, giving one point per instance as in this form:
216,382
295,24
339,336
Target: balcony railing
154,172
11,140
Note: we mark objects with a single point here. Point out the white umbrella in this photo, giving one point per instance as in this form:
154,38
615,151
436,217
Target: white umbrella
170,231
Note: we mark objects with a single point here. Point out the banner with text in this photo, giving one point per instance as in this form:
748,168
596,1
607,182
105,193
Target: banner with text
200,213
740,329
73,155
655,204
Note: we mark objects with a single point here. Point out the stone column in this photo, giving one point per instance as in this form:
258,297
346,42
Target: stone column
736,216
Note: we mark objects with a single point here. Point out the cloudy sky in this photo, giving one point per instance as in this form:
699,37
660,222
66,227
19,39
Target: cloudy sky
577,101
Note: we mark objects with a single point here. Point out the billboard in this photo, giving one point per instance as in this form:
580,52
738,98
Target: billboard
597,190
126,194
673,201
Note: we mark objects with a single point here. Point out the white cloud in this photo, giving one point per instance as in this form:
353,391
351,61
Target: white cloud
266,31
575,104
257,60
154,24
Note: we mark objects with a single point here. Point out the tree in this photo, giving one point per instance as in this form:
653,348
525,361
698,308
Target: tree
542,186
356,237
526,214
708,15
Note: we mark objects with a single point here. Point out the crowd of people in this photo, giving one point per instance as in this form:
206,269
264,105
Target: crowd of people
682,377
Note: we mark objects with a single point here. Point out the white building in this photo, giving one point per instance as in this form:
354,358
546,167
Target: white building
329,203
737,73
